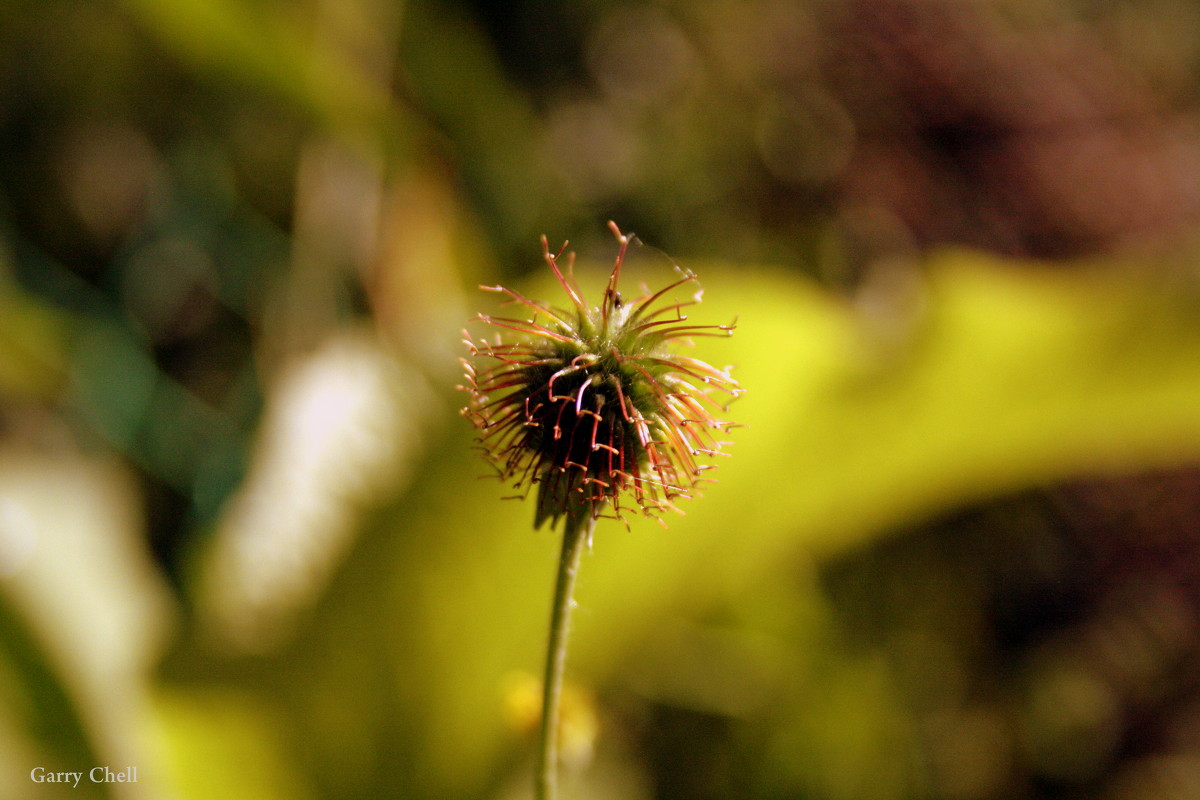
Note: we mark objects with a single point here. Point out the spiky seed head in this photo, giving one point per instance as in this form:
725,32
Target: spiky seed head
591,403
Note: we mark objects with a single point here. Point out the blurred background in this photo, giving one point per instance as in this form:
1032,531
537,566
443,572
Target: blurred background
244,547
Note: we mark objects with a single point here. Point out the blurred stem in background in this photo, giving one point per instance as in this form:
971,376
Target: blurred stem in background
340,186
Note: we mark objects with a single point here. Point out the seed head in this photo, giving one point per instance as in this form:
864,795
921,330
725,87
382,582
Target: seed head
590,403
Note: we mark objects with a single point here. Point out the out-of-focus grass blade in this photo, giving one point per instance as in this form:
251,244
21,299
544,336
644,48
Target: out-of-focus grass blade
42,720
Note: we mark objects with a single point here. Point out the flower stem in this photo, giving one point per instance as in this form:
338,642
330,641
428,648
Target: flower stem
577,531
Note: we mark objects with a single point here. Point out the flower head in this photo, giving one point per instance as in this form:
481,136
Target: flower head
591,403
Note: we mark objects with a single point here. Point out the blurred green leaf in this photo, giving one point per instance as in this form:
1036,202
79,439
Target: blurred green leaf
1009,377
217,742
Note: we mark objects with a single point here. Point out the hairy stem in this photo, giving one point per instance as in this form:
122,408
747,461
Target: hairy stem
576,532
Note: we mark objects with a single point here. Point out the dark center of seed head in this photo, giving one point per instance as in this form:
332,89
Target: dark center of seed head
575,427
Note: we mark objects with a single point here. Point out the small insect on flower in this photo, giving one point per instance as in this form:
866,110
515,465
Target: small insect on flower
592,404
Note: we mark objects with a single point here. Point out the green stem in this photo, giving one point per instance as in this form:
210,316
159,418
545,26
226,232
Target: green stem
576,532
